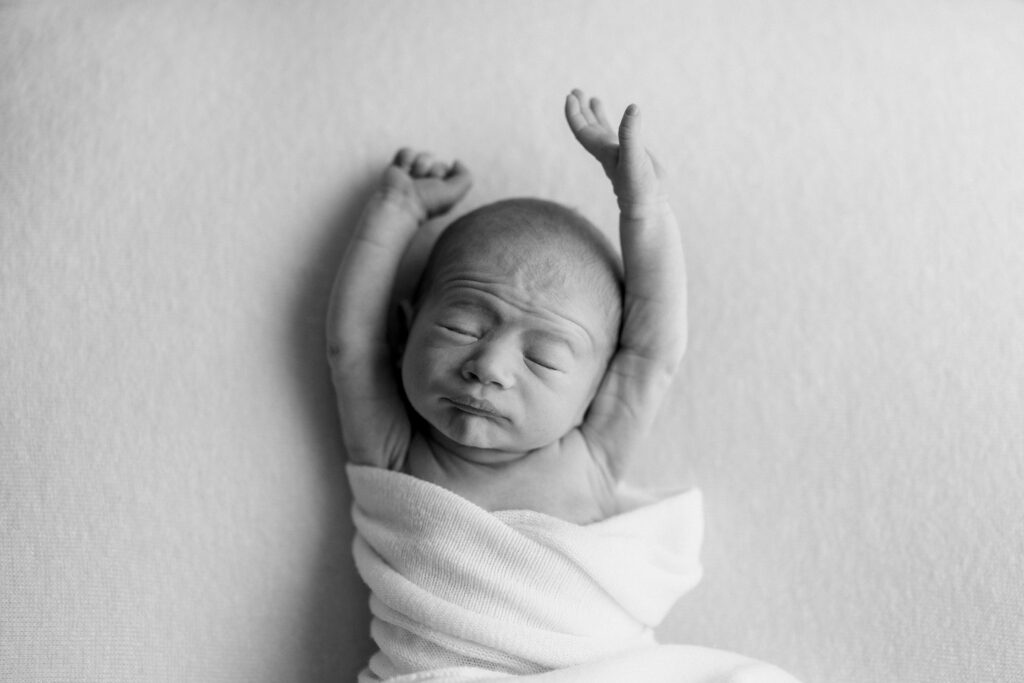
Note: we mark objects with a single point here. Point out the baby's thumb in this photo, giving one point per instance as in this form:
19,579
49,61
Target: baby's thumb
630,146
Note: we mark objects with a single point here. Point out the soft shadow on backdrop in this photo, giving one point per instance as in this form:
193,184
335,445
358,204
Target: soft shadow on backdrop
179,179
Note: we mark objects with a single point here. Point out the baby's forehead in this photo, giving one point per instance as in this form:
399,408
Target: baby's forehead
544,250
550,278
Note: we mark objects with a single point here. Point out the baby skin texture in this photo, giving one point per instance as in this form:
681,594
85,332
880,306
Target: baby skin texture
519,386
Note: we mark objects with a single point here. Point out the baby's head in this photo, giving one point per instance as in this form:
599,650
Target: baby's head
515,318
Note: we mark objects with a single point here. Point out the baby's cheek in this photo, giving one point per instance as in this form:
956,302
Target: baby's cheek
554,407
582,392
415,367
435,369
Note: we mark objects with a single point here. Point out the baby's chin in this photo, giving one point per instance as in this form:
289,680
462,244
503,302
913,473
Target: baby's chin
472,432
477,442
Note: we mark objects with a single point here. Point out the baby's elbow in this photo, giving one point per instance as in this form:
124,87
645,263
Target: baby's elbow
353,368
339,355
345,353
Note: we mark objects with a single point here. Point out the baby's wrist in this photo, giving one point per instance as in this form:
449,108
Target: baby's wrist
633,208
403,201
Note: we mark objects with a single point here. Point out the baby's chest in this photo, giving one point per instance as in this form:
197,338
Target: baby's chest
561,497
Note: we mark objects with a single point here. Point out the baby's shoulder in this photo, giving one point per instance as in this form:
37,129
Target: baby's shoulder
570,480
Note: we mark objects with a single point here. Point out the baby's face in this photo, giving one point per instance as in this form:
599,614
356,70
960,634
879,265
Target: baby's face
502,358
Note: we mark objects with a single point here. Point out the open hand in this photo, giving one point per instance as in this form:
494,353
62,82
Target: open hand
635,175
425,186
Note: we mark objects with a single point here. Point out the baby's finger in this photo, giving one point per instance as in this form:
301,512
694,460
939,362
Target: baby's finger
438,170
458,170
404,158
589,135
421,166
574,113
585,107
598,107
630,145
459,178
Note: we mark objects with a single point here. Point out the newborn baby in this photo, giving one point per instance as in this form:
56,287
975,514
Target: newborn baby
533,365
491,526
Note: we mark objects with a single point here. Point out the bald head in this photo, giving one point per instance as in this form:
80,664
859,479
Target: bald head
541,244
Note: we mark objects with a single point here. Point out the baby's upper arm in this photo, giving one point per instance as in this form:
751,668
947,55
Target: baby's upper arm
374,423
625,406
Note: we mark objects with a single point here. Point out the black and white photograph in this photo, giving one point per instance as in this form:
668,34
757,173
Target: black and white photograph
582,341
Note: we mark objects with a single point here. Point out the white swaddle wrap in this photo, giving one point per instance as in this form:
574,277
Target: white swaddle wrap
459,593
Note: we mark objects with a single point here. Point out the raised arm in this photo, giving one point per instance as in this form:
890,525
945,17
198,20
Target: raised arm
375,426
654,326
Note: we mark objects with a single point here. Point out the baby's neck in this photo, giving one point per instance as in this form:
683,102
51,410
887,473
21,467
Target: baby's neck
451,454
558,479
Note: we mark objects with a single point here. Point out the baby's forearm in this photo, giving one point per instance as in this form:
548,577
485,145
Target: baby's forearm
655,323
358,314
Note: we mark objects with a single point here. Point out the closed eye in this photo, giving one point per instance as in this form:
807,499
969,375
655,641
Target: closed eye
543,364
458,331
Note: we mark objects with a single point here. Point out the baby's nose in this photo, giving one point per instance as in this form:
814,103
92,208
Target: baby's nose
492,364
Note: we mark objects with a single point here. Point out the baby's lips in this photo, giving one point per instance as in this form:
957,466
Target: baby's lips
475,406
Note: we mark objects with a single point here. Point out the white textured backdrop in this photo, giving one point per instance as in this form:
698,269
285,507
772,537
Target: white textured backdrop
176,183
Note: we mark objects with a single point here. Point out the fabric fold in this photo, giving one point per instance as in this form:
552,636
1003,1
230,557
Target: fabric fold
460,593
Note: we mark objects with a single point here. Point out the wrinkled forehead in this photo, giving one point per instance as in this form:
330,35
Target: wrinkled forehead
532,263
538,261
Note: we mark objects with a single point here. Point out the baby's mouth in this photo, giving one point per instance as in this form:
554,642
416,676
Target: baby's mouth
474,406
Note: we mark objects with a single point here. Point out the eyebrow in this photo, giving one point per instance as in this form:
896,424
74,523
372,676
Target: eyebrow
465,304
